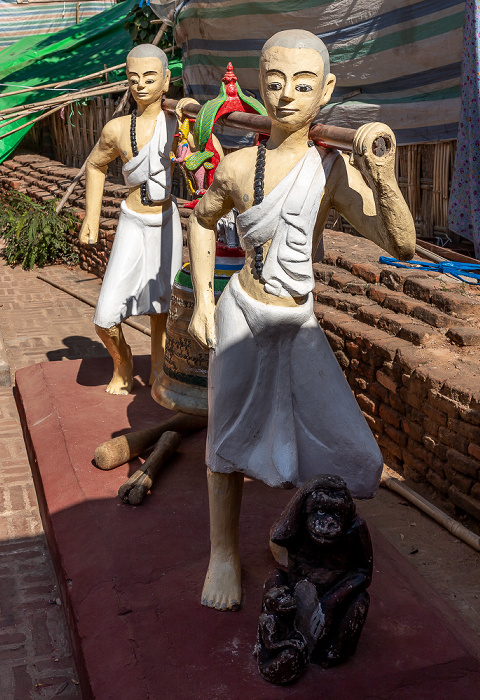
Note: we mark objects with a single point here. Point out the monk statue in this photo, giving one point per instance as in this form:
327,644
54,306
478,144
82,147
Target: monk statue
280,409
147,250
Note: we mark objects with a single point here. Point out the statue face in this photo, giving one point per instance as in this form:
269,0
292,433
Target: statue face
292,86
328,516
146,80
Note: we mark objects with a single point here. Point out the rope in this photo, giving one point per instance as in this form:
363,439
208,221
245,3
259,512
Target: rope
465,272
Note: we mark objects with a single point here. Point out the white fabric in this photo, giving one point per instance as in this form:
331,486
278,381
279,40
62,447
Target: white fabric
152,164
280,409
146,255
287,215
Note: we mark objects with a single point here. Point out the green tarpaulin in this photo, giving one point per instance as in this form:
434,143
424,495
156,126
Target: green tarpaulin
80,50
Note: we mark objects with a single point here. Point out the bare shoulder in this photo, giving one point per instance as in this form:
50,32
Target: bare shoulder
113,129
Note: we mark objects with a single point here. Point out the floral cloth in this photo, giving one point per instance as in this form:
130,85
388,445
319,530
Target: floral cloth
464,211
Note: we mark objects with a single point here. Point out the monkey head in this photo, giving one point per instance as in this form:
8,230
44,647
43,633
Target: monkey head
328,514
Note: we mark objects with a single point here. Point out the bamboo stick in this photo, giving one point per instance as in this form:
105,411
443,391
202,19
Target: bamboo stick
68,96
456,529
38,88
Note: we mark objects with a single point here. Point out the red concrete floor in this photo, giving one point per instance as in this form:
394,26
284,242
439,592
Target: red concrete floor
131,577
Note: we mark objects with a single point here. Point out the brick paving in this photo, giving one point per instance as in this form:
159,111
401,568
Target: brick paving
38,323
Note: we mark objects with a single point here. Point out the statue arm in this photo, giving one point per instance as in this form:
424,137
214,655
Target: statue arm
364,190
104,153
201,243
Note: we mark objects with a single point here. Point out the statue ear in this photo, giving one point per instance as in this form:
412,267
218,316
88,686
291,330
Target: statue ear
166,81
285,529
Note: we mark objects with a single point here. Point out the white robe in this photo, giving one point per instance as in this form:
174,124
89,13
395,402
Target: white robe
280,408
147,250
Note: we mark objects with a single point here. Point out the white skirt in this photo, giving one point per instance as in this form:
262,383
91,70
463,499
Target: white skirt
146,255
280,408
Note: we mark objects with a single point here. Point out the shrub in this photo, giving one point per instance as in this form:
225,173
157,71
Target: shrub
33,232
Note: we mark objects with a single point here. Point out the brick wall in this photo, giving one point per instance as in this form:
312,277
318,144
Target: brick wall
407,341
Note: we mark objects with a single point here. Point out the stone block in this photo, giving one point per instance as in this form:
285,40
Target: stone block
464,335
457,304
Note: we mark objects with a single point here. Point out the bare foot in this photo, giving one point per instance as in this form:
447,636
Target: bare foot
222,589
122,380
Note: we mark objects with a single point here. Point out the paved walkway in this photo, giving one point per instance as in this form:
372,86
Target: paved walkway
40,322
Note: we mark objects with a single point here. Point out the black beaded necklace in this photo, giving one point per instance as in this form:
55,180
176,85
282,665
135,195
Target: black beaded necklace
133,141
258,195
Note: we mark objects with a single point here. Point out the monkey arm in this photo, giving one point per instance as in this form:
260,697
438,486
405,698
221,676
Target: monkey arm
104,153
364,190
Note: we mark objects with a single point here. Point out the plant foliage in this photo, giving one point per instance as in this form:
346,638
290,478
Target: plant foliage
34,233
138,25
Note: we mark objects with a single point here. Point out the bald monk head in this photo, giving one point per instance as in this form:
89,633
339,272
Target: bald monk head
148,74
295,82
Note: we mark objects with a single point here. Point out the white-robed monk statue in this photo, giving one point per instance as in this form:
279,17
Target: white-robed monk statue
280,409
147,250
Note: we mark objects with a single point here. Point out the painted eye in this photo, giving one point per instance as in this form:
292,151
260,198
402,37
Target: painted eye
303,88
149,81
134,82
274,86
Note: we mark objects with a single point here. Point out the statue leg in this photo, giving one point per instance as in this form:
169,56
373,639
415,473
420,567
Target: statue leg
114,341
342,639
158,325
223,587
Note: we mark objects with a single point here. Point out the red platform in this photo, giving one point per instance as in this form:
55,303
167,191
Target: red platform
131,577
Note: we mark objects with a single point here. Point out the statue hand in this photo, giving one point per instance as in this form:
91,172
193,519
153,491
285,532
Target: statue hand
202,326
88,233
374,152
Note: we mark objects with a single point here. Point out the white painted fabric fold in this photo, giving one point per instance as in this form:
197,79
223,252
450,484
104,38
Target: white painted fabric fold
146,255
152,164
287,215
280,409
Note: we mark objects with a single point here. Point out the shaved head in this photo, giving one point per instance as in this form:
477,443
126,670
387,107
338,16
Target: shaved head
149,51
299,39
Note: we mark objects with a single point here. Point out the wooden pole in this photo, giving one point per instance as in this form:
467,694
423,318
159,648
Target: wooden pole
63,83
333,136
66,97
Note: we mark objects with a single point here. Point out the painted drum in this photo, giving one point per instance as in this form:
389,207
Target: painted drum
182,386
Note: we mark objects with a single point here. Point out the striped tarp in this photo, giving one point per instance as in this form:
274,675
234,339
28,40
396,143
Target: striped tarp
19,20
396,61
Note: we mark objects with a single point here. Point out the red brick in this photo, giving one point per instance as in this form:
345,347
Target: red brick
392,447
467,503
411,398
464,335
456,303
469,467
444,404
386,381
397,435
476,491
462,482
414,430
437,482
474,450
367,404
389,415
451,439
439,417
374,423
396,403
471,432
336,343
